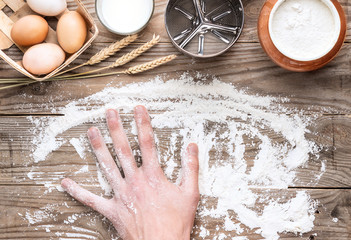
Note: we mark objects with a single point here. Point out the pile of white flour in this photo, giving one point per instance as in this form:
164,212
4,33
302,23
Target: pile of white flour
225,121
304,29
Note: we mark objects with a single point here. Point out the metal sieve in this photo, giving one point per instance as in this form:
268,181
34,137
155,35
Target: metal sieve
204,28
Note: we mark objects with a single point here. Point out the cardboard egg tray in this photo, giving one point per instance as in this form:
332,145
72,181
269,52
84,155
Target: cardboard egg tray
20,9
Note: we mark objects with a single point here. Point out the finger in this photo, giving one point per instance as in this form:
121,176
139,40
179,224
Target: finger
84,196
190,170
120,143
146,140
104,157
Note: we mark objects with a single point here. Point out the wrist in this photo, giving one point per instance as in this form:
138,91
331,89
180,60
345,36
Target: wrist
171,233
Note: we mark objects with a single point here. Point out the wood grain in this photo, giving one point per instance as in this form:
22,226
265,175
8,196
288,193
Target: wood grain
16,146
64,217
246,65
156,25
325,93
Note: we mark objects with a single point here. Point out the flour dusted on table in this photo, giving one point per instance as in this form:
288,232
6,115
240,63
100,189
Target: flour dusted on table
225,121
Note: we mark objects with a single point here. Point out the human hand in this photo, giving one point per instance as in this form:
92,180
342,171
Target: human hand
145,204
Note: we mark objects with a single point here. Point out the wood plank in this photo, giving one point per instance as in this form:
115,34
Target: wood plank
6,24
251,7
246,65
2,4
5,42
342,142
41,216
15,5
30,188
16,164
156,25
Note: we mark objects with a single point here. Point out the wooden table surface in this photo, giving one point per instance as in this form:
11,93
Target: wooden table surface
326,92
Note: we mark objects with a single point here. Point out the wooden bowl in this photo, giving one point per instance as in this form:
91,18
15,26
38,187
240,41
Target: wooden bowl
292,64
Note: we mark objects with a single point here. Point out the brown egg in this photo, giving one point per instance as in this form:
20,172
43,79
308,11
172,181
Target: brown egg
43,58
29,30
71,31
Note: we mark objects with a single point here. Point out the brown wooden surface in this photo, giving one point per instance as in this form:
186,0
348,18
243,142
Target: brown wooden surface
326,92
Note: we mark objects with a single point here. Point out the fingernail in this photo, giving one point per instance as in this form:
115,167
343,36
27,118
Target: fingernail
139,109
65,183
193,149
110,113
93,132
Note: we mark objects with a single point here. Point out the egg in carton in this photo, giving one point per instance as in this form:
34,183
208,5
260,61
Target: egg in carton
21,9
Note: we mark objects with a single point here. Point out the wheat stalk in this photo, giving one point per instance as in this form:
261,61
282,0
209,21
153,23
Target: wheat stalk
149,65
105,53
135,53
111,50
132,70
124,59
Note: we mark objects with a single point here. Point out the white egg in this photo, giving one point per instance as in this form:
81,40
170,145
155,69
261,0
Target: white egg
48,7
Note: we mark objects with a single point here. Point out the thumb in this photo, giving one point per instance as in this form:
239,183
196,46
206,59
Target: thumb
190,170
84,196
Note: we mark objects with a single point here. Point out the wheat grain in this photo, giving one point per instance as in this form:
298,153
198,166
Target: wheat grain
104,53
112,49
132,70
124,59
149,65
135,53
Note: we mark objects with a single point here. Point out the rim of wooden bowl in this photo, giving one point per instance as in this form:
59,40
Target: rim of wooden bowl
292,64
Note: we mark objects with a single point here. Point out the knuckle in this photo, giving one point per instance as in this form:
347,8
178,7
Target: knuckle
193,165
195,196
123,150
89,201
96,143
148,140
145,121
114,125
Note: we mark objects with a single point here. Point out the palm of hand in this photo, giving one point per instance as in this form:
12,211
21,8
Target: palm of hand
145,205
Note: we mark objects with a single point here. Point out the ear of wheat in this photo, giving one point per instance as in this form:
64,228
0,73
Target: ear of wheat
135,53
132,70
101,56
111,50
105,53
150,65
124,59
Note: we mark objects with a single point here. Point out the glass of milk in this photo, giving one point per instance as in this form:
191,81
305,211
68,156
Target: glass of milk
124,17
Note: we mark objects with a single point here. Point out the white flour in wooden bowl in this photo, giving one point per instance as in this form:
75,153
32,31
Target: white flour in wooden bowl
304,30
223,120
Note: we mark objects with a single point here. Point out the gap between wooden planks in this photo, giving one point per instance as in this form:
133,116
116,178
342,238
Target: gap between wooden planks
58,208
247,66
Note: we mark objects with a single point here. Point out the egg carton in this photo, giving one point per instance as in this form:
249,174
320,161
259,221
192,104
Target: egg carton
20,9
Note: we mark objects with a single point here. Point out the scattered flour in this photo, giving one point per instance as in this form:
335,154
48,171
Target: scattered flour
84,169
79,236
38,216
225,121
79,146
204,233
103,182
